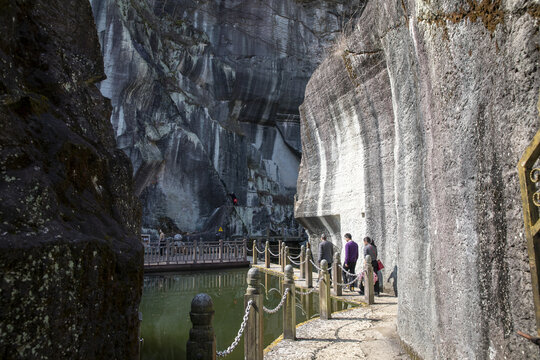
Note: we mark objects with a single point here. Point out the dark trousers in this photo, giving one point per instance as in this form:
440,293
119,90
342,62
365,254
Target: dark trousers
351,267
375,265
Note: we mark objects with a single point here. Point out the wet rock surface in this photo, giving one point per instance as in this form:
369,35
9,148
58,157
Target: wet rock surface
411,133
70,256
205,99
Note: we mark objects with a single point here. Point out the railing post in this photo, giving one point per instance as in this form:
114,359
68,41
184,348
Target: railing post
255,254
253,334
302,258
325,305
195,248
267,255
279,252
287,257
289,307
369,290
337,274
220,250
201,344
283,259
244,247
309,271
167,251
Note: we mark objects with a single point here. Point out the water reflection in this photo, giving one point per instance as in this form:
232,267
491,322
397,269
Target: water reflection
166,303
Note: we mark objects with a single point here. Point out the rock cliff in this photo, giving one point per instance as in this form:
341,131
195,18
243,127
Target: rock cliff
411,132
70,255
205,98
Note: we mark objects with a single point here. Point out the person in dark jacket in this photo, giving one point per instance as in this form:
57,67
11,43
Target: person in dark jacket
351,256
371,250
326,252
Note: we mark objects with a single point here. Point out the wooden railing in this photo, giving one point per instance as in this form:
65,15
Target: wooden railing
196,253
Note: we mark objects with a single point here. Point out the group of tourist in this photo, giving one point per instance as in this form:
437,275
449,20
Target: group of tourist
326,252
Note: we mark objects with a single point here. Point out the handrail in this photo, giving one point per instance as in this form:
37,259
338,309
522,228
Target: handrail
276,309
195,252
239,334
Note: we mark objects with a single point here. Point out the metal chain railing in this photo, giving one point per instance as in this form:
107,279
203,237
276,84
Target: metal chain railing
315,265
240,332
276,309
271,253
259,251
349,283
295,257
312,289
297,263
342,268
356,276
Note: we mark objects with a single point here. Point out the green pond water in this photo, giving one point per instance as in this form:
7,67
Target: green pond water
166,302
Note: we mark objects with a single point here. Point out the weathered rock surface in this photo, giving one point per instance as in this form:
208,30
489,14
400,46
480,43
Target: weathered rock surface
70,257
205,99
411,133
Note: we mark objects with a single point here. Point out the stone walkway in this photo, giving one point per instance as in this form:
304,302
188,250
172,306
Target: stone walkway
359,333
365,332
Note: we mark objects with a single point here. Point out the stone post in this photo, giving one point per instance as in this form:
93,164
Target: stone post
255,254
201,344
309,271
338,289
253,334
369,289
289,307
244,247
267,255
195,250
309,308
325,304
284,258
302,258
279,252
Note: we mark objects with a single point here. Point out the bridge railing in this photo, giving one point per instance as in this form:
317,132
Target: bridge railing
196,252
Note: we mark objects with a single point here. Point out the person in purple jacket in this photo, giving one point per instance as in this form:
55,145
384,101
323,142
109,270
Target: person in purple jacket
351,256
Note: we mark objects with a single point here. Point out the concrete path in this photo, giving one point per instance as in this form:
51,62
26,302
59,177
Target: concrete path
360,333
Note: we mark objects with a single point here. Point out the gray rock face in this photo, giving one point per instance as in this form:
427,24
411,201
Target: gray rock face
205,97
411,133
70,252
